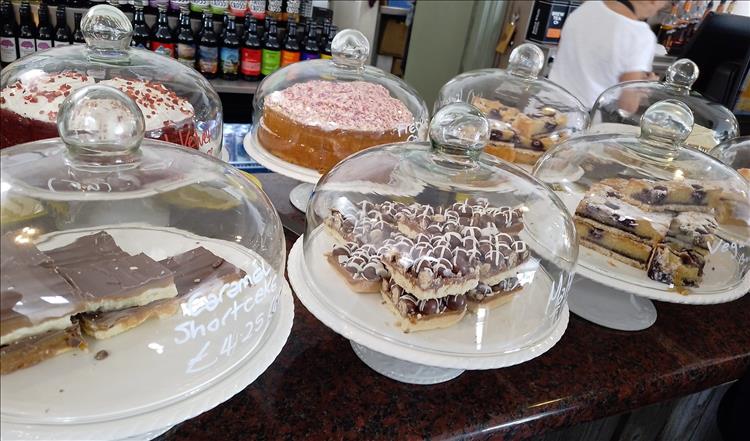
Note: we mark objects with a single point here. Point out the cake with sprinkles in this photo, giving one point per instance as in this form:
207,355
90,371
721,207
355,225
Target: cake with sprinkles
316,124
30,106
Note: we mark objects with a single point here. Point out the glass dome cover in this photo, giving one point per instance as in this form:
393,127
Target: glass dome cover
441,249
653,216
178,104
164,263
528,114
315,113
735,153
619,109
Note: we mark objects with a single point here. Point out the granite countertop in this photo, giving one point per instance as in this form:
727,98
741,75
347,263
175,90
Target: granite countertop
318,388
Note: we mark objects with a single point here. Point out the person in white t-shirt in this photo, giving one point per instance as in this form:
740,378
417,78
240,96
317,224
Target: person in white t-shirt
604,43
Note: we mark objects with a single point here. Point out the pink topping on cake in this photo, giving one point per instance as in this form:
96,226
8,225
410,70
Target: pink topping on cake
340,105
159,105
39,96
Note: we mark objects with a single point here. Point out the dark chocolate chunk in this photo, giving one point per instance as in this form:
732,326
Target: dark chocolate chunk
456,303
101,355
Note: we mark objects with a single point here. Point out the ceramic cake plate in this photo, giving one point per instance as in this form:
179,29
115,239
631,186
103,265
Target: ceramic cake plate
198,370
418,357
301,194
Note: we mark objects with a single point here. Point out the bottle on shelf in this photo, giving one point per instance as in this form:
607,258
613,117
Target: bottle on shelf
224,24
126,6
683,23
326,52
92,3
8,34
292,11
163,40
63,36
271,50
77,33
306,11
709,9
310,49
208,48
668,27
186,47
730,8
219,7
721,7
258,9
199,6
238,8
323,37
141,32
44,32
175,7
290,53
229,53
26,31
274,10
251,52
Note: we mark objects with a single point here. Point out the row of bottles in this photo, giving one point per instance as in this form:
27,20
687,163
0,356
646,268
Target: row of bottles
20,39
685,17
231,54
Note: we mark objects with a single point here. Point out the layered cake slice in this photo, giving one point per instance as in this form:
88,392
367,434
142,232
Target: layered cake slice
679,268
30,105
359,266
668,195
37,306
195,271
316,124
110,279
489,297
422,314
692,231
611,226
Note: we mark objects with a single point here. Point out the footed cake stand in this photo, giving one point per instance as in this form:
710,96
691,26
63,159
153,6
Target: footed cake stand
300,195
428,357
617,296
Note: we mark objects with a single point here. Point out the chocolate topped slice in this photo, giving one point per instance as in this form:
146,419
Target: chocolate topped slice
197,269
34,297
108,278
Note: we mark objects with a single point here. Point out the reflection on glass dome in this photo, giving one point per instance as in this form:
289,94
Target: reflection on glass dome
166,264
442,238
178,104
315,113
736,154
528,114
651,213
618,110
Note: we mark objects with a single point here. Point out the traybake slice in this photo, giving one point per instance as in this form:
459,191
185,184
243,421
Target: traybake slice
195,271
420,314
110,279
679,268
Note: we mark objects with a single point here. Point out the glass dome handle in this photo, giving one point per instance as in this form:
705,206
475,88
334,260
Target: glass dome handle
107,31
526,61
668,121
350,49
101,125
682,73
459,129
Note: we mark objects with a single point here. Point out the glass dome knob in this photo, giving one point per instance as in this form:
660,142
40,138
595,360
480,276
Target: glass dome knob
106,28
100,121
527,60
459,127
682,73
350,48
668,120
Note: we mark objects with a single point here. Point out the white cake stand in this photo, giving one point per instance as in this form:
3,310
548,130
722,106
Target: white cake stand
618,296
41,391
301,194
420,357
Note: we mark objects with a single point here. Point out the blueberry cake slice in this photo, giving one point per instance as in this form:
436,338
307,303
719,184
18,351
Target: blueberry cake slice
692,231
669,195
679,268
611,226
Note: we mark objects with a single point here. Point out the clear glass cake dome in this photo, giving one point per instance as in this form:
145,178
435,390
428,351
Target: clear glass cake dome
178,104
735,153
439,250
618,110
528,114
654,216
165,263
314,113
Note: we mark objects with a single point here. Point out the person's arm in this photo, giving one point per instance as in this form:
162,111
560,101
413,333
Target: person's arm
630,99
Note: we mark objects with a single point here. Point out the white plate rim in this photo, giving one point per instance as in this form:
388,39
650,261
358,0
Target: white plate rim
277,165
304,291
159,421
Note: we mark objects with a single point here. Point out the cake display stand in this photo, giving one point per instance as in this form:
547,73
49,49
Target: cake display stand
300,195
419,357
183,389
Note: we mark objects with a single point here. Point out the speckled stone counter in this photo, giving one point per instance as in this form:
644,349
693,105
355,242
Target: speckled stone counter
319,389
